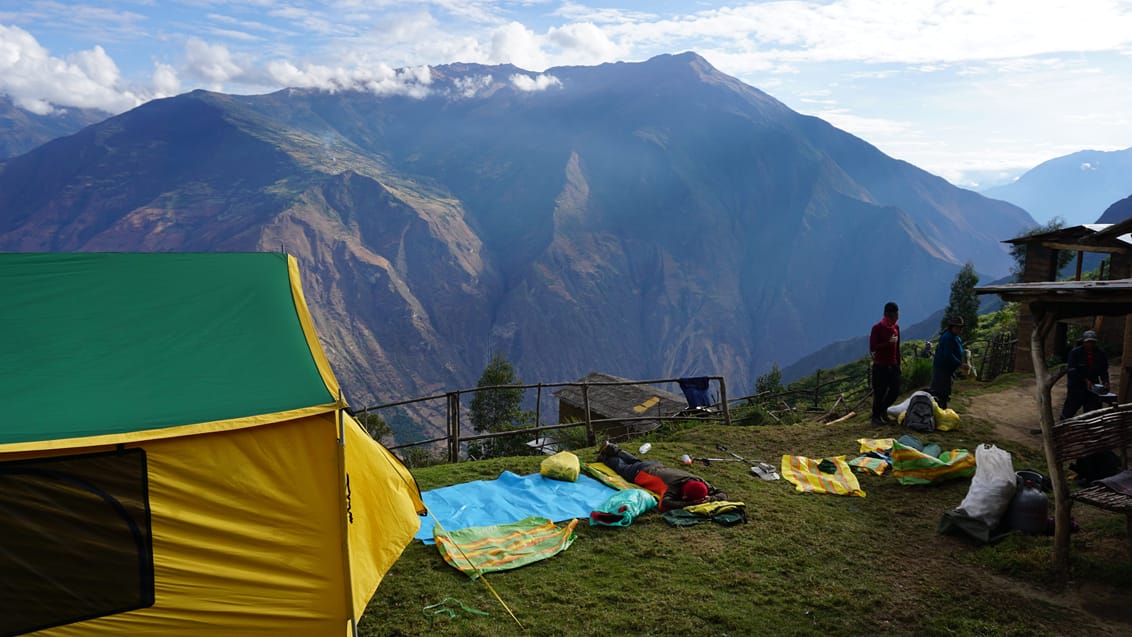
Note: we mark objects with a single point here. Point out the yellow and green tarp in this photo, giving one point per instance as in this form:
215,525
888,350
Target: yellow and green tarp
175,455
827,475
499,547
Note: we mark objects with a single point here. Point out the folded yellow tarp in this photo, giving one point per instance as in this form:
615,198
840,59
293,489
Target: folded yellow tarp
804,473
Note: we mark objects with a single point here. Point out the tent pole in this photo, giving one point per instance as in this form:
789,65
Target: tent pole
344,515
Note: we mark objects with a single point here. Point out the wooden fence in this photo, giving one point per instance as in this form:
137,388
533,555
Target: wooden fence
834,396
454,437
830,397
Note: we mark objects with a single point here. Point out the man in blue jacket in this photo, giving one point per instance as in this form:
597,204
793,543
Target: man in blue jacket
949,357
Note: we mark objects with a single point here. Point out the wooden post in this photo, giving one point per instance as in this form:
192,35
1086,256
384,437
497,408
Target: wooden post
1124,393
817,388
1043,322
453,431
538,415
591,439
723,399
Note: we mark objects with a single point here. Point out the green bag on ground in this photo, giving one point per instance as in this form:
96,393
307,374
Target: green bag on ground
723,512
911,466
621,508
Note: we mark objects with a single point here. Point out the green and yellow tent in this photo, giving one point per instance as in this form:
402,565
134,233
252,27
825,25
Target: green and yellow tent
176,457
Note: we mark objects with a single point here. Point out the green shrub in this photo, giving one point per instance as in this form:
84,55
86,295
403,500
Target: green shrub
917,373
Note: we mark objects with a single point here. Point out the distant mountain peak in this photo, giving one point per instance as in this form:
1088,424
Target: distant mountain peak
1078,187
651,219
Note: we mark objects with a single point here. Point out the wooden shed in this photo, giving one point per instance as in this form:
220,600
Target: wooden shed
1040,266
618,407
1049,304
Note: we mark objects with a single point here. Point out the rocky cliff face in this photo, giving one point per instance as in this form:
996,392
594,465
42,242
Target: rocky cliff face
643,220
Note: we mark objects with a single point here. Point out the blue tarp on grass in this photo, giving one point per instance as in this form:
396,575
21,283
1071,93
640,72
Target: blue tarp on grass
509,498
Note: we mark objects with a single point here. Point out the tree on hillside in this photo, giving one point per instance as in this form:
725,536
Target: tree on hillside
1018,251
769,382
963,302
496,410
374,424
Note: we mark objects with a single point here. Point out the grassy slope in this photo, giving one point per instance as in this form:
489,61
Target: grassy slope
804,565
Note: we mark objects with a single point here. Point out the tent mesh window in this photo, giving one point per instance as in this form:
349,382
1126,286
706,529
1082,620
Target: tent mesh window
75,539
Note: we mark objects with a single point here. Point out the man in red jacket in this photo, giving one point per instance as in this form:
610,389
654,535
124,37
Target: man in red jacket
677,488
884,345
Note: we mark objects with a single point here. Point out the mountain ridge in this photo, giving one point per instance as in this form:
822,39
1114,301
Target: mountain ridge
661,219
22,130
1077,187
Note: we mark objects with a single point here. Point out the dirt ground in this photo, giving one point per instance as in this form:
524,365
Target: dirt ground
1014,413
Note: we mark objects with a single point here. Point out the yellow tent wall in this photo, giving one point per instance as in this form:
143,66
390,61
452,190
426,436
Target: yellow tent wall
383,516
175,458
248,531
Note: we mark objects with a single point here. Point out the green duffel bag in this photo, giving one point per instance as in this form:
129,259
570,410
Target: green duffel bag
621,508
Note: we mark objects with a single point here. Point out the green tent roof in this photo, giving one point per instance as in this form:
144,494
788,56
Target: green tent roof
97,343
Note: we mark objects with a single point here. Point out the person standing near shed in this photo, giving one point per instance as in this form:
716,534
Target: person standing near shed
884,346
1087,369
949,357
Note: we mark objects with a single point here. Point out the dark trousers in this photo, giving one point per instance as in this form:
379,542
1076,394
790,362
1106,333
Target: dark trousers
886,387
626,464
1076,400
940,388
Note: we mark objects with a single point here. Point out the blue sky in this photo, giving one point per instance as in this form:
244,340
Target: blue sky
972,90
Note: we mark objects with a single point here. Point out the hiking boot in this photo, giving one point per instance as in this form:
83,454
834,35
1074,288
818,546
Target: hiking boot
879,422
607,449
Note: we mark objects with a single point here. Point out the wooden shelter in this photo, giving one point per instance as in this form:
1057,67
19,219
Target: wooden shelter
1048,303
1040,265
618,406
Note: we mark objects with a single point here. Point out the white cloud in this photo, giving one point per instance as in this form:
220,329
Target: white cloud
930,81
39,82
917,31
211,62
584,42
469,87
97,66
582,13
864,127
234,35
570,44
484,11
165,81
380,79
515,44
541,82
